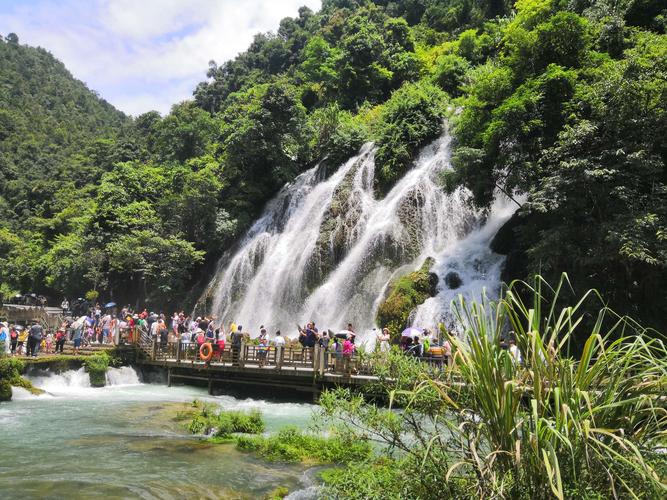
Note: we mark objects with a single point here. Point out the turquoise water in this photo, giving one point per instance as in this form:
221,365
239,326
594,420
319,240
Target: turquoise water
122,442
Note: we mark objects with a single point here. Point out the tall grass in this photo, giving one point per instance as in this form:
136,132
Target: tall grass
584,415
570,424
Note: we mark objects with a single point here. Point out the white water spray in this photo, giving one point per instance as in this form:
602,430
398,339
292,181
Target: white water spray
325,250
77,382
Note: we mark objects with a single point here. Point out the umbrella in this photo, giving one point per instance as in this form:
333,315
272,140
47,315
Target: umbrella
110,304
343,334
412,331
79,322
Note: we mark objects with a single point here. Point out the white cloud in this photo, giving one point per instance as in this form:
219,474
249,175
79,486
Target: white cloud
148,54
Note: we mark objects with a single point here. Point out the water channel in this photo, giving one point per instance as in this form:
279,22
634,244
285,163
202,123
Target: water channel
123,441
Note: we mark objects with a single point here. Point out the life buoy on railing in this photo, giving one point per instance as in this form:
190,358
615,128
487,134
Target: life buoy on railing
206,351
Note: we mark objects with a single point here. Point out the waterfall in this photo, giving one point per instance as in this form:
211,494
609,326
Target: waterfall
122,376
78,381
326,249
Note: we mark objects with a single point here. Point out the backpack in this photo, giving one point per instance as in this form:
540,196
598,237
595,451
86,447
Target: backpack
3,335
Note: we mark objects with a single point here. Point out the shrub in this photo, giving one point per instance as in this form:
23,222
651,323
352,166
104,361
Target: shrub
292,445
10,375
96,366
408,120
210,419
5,390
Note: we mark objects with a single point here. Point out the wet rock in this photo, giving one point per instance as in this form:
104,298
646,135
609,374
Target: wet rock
405,294
453,280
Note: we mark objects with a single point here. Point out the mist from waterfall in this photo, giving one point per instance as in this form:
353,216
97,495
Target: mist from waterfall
325,249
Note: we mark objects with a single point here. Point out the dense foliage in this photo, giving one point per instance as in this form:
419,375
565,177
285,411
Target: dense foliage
563,102
491,426
569,108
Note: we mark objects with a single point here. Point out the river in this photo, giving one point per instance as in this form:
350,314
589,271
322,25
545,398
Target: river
122,441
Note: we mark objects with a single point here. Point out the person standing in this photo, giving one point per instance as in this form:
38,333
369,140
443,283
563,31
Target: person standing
106,328
262,348
60,340
279,344
77,337
13,339
34,338
237,340
64,305
348,352
23,339
383,340
4,338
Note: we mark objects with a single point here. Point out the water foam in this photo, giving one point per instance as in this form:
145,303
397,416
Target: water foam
77,382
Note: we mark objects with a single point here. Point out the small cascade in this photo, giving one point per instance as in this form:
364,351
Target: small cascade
123,376
468,268
326,249
71,381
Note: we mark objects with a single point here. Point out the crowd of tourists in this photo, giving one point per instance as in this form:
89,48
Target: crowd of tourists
111,326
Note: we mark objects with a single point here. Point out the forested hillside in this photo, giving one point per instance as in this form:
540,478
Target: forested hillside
561,102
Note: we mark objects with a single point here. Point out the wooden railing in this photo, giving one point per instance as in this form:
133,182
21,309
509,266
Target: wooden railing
316,359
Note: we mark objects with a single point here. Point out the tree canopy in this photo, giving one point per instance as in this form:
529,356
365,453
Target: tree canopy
561,102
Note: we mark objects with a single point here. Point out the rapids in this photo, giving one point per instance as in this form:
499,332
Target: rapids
325,249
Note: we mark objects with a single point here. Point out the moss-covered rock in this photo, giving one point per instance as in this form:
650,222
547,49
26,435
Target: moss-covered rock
10,375
5,390
27,385
405,294
96,366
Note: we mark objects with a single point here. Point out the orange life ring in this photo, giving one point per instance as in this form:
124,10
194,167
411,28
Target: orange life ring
209,351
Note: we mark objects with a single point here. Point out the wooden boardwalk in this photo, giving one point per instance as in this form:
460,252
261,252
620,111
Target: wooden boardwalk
303,370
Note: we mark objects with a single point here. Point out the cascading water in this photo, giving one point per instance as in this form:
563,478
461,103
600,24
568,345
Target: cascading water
326,249
74,382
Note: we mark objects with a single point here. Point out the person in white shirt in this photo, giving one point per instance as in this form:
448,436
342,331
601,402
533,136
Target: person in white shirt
383,338
279,340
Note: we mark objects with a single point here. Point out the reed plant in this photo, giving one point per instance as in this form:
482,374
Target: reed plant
552,424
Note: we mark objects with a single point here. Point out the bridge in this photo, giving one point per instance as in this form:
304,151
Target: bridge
291,368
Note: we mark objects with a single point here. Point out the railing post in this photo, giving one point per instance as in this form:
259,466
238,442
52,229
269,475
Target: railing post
243,354
178,351
279,357
154,349
322,364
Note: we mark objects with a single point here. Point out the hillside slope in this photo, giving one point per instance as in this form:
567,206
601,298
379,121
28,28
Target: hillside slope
46,116
562,102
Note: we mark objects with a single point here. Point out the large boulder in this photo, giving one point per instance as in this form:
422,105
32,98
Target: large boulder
404,295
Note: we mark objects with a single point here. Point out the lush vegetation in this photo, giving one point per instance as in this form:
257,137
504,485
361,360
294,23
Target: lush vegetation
209,419
288,445
10,375
550,426
293,445
562,102
96,366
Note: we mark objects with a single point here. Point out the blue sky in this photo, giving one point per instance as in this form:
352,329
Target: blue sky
142,55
